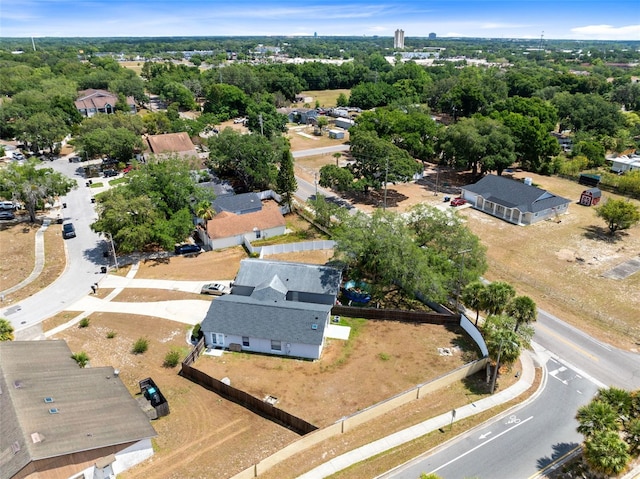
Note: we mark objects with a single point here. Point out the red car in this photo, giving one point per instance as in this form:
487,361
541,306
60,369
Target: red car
127,169
458,202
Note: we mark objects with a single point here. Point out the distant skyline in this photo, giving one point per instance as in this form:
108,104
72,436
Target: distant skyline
558,19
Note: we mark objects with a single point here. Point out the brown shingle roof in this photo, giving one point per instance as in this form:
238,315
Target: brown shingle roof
227,224
98,99
171,143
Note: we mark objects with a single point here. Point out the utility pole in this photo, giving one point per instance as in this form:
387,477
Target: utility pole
113,249
386,175
462,253
261,126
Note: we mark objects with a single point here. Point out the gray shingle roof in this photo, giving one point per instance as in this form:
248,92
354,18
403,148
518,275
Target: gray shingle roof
514,194
238,204
95,409
282,320
309,278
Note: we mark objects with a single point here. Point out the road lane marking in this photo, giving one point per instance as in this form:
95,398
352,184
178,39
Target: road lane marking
483,444
554,464
568,343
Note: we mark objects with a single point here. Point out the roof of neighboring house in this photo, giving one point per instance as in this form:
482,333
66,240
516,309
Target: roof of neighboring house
595,192
220,187
237,204
310,278
287,321
171,143
97,99
225,224
94,408
514,194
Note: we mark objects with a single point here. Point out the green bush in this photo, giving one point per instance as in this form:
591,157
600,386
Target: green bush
140,346
84,322
111,334
81,358
171,359
384,356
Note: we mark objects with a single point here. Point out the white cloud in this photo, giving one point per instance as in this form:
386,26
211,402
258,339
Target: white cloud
608,32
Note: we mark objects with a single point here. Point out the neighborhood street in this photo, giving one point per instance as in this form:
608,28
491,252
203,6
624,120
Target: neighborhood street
525,441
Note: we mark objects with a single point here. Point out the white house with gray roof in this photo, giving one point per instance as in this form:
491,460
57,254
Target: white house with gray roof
276,308
513,201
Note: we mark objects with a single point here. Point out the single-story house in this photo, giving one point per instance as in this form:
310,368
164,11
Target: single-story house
170,143
514,201
59,420
276,308
230,228
302,116
93,101
624,163
590,197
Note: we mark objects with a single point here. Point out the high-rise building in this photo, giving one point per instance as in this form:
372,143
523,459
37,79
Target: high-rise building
398,39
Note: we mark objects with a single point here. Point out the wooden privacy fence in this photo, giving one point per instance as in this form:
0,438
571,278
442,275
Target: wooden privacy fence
396,315
252,403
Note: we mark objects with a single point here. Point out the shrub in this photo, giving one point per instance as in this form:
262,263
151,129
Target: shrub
171,359
384,356
140,346
81,358
196,333
111,334
84,322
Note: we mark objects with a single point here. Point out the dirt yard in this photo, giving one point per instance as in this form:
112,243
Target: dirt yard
205,435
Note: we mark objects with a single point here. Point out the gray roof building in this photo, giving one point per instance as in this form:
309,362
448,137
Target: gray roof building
238,204
512,200
272,304
51,408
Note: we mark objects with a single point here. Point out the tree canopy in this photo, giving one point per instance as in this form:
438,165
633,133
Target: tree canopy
153,209
619,214
33,185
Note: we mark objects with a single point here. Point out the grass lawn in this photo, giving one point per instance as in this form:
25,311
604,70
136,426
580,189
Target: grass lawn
326,98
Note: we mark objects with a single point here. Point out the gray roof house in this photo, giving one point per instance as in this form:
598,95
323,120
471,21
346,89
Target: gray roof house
59,420
238,204
513,201
276,308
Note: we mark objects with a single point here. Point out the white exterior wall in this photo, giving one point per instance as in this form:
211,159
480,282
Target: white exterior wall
263,346
125,459
221,243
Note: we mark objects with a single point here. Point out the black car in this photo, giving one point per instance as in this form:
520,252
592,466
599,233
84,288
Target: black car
68,231
109,173
187,248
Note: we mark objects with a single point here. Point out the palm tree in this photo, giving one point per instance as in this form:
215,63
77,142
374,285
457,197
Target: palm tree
205,211
618,399
606,453
472,296
523,310
496,296
6,330
337,156
597,416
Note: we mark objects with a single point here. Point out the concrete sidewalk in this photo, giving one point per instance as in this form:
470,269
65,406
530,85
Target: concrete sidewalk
401,437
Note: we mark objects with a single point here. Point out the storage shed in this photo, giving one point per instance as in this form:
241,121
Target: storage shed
336,134
590,197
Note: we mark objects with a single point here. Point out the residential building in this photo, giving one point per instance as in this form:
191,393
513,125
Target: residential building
92,101
170,143
514,201
276,308
59,420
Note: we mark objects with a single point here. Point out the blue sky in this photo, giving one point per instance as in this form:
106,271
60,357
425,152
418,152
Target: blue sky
558,19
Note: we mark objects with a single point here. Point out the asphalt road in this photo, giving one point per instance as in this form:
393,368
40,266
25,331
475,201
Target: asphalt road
84,259
519,443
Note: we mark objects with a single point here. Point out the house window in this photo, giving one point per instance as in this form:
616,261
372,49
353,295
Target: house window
245,341
258,234
276,345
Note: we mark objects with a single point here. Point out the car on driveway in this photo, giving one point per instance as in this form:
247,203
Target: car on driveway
215,289
458,202
187,248
68,231
7,215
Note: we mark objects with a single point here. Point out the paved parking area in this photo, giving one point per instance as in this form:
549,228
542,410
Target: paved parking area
624,270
